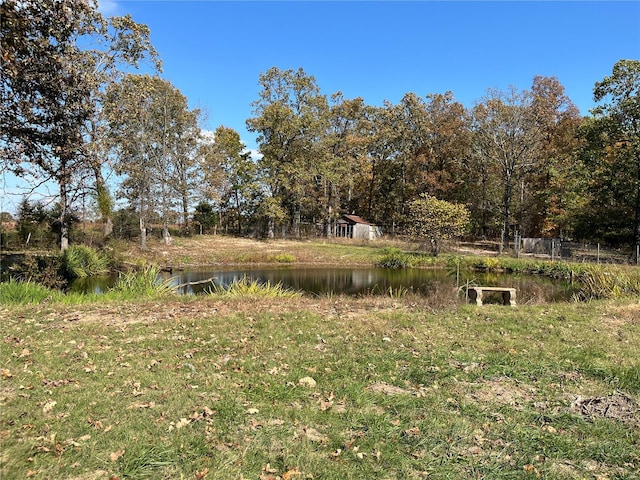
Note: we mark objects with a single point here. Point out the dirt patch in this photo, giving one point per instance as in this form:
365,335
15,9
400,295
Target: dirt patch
501,391
387,389
621,315
618,407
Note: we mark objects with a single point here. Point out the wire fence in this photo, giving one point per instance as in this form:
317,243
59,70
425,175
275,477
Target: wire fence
558,249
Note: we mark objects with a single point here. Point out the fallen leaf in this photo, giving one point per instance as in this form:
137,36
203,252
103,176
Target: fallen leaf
290,473
114,456
141,405
207,412
202,474
268,469
183,422
6,373
48,407
307,382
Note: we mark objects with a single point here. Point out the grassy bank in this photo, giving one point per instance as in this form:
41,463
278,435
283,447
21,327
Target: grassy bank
319,388
247,384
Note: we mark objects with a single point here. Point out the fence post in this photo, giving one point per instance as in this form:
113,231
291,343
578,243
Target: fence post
553,248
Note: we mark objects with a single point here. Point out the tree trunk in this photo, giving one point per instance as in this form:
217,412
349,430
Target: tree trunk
271,226
64,199
143,235
296,220
108,226
371,190
237,198
507,212
166,236
185,213
636,229
435,247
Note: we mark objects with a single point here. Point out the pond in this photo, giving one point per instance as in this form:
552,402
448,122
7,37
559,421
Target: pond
354,281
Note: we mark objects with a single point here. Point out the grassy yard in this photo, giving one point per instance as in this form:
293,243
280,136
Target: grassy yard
272,388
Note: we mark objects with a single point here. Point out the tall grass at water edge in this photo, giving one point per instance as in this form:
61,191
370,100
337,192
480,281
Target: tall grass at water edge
142,283
131,285
593,281
598,282
252,288
15,292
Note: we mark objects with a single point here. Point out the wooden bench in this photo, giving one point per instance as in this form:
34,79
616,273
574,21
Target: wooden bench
508,294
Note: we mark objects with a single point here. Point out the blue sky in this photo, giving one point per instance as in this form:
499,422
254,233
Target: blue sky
214,51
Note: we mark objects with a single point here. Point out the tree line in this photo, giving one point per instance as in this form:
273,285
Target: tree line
75,112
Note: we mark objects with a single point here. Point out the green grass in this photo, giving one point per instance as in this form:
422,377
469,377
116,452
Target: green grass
16,292
284,258
174,387
245,288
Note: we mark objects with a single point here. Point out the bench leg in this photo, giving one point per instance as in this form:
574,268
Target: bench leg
475,296
509,298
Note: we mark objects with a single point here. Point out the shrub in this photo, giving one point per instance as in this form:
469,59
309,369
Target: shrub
490,263
82,261
394,258
46,270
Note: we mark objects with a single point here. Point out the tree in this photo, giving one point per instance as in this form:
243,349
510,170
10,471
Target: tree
341,154
233,174
382,187
204,216
437,220
46,92
507,136
290,118
151,131
612,154
553,192
123,43
32,221
440,159
51,84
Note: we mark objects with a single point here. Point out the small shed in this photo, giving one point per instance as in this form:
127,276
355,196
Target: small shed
353,226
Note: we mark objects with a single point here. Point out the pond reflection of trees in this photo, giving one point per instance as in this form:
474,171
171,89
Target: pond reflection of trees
356,281
359,281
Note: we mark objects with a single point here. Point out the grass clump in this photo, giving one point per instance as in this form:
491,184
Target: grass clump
252,288
82,261
16,292
285,258
142,283
607,282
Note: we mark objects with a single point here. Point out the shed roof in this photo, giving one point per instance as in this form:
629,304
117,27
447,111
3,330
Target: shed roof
356,219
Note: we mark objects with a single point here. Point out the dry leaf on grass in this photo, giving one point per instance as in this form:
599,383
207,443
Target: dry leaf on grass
114,456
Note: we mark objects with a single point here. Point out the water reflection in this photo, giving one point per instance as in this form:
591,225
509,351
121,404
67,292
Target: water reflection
354,281
365,281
